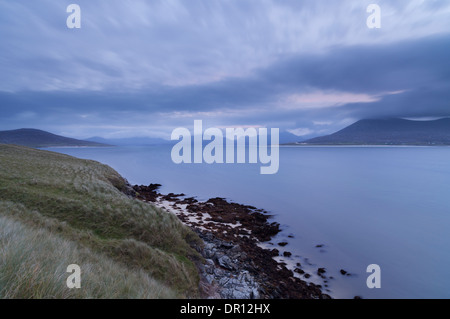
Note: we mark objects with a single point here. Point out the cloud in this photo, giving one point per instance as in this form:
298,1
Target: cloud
320,123
125,45
319,99
300,131
162,63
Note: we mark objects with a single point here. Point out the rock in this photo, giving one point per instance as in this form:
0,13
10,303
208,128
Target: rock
240,294
219,272
275,252
255,294
287,254
299,271
321,271
235,265
129,190
209,278
226,245
343,272
154,187
209,251
219,254
209,266
226,262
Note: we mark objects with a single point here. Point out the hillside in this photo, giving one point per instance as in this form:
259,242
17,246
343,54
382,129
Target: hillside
390,132
56,210
38,138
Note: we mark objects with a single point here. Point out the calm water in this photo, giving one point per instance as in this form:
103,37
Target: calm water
367,205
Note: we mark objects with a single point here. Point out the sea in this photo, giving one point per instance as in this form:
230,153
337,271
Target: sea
340,208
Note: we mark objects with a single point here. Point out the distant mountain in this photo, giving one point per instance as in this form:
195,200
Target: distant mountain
37,138
389,132
287,137
130,141
284,137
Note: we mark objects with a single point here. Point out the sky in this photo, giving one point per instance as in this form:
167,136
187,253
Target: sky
143,68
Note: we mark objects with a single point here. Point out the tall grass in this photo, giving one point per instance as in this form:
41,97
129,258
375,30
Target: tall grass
33,264
81,202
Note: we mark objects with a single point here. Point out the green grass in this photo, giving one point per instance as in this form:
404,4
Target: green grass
79,203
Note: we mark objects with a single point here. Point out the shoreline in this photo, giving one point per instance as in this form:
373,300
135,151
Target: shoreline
239,260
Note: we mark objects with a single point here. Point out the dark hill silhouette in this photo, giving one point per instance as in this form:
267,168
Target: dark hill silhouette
390,132
38,138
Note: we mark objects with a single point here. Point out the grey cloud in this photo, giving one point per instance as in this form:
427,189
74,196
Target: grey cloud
420,67
150,59
133,44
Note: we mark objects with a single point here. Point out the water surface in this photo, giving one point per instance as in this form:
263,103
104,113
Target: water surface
367,205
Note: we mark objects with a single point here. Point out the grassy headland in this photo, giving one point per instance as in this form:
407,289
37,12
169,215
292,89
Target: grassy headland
57,210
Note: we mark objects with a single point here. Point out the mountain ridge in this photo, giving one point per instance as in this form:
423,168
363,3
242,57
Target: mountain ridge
38,138
394,131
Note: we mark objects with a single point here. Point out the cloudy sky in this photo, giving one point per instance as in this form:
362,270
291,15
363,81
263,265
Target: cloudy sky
143,68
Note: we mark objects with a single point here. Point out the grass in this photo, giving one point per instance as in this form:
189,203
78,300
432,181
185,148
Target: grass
55,200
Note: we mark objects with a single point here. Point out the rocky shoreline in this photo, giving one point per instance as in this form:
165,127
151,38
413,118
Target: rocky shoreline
238,265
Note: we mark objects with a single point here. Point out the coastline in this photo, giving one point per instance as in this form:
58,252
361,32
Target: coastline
239,261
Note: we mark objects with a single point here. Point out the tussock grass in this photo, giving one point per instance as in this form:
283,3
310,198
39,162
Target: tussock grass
80,202
33,264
